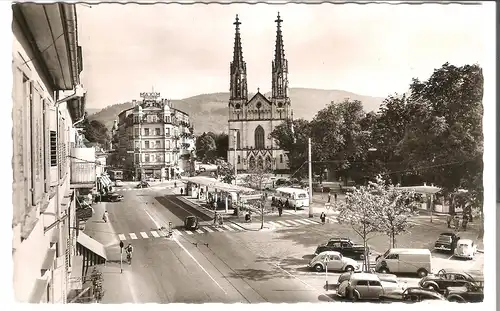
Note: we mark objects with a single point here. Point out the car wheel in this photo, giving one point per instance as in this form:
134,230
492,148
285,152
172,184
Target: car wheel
318,268
422,272
355,296
362,257
455,299
383,270
349,268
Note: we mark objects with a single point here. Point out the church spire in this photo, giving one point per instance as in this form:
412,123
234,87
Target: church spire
238,85
280,65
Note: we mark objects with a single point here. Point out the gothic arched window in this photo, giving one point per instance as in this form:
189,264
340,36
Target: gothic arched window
259,138
238,141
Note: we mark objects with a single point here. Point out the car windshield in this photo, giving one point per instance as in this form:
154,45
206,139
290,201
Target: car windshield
444,237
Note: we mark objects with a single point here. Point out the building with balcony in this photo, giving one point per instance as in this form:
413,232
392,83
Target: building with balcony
48,172
155,140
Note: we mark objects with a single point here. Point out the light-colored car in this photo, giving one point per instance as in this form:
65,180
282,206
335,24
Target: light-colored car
392,285
465,249
334,261
361,286
118,183
346,276
405,260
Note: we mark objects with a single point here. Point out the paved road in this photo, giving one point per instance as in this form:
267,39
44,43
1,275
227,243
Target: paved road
208,267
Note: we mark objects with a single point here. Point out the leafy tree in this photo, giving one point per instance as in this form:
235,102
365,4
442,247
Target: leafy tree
295,142
96,132
256,179
222,145
225,172
361,210
205,147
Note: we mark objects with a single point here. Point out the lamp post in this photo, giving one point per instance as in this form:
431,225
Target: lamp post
310,179
235,138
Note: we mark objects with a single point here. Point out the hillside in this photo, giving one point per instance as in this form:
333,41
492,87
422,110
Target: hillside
209,111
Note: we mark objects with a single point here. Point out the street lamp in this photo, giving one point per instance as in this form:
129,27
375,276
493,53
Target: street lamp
235,138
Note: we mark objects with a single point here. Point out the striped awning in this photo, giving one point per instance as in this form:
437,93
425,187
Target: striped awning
90,249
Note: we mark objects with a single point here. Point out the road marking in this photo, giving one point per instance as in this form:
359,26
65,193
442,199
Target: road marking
309,221
155,234
122,237
199,231
219,229
154,221
292,222
133,236
283,223
274,224
237,227
177,231
301,221
228,228
199,265
188,232
144,235
208,229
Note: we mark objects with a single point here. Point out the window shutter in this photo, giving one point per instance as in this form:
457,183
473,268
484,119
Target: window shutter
37,167
46,149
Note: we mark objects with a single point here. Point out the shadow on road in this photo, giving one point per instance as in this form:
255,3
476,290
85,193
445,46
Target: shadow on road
180,209
258,275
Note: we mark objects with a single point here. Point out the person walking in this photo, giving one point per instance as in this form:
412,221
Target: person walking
456,223
322,217
335,196
329,197
448,220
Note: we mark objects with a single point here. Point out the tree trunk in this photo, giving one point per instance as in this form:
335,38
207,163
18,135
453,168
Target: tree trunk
393,239
261,216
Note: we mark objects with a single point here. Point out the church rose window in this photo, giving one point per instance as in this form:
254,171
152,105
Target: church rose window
259,138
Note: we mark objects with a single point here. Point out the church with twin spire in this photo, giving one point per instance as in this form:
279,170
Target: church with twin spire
252,120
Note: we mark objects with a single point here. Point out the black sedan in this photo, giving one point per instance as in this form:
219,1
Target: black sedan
191,223
446,241
468,293
143,184
112,197
444,279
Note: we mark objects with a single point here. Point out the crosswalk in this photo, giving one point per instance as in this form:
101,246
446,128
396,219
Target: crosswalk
154,234
298,222
139,189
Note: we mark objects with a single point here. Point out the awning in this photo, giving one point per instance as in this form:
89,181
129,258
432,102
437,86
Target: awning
39,290
91,249
48,262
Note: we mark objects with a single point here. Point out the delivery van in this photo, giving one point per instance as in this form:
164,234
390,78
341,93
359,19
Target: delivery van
405,260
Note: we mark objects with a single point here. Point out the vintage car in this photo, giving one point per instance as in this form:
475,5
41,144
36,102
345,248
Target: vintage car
118,183
446,241
333,261
344,246
411,295
112,197
346,276
143,184
468,293
191,223
465,249
361,286
444,279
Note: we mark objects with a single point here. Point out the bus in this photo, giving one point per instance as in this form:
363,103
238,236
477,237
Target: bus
297,198
115,175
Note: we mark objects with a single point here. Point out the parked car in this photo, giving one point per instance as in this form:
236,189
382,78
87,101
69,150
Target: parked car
446,241
361,286
412,294
191,223
346,276
344,246
405,260
465,248
442,280
112,197
143,184
468,293
118,183
335,262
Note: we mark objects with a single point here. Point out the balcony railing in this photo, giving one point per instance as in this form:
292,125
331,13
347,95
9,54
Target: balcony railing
82,173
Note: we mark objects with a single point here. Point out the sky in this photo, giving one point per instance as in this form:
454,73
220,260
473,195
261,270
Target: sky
185,50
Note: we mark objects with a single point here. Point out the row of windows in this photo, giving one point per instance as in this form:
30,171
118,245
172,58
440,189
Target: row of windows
152,144
154,158
153,118
280,159
156,132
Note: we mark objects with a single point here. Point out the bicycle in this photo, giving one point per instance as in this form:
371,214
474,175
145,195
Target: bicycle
129,258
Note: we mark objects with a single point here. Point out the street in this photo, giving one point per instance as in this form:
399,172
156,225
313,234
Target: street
229,263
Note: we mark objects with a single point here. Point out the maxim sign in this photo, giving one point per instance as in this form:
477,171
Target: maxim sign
150,95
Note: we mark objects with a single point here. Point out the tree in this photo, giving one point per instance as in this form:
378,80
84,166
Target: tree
225,172
222,145
293,141
205,147
96,132
361,211
396,209
256,179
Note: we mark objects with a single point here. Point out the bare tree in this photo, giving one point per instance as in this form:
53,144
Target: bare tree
256,179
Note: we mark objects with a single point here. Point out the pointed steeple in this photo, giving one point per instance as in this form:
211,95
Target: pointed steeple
238,85
280,65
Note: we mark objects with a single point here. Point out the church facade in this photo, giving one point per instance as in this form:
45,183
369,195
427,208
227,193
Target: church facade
251,121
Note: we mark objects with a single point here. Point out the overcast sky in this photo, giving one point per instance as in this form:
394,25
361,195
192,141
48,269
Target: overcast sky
185,50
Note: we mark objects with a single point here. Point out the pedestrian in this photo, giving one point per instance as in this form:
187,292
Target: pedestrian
322,217
335,196
175,184
456,223
280,211
448,220
329,197
182,190
215,218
